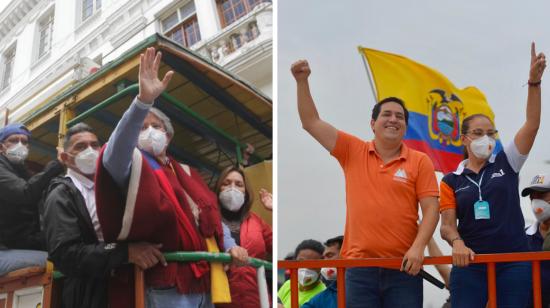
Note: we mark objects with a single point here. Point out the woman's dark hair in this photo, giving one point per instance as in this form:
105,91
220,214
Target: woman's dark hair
248,197
465,127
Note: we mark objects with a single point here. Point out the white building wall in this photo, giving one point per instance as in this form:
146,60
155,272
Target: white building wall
209,21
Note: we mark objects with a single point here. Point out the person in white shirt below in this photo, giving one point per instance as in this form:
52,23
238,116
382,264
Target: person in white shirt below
73,233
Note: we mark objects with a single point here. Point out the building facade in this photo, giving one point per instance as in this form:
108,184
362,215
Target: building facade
48,45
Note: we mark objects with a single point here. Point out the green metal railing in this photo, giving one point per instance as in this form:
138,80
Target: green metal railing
134,89
212,257
181,256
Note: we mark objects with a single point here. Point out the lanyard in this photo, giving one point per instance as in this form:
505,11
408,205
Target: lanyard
476,184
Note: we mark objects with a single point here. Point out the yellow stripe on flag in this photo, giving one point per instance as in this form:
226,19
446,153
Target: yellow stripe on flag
395,75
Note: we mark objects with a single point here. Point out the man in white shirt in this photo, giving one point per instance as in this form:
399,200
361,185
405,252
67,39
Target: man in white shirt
73,233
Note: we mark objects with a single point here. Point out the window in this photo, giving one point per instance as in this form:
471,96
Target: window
232,10
182,26
9,57
89,7
45,31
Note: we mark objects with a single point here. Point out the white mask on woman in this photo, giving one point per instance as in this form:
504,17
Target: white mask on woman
232,199
152,141
307,277
86,161
17,153
483,147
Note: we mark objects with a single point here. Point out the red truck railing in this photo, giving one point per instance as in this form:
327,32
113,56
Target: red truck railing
489,259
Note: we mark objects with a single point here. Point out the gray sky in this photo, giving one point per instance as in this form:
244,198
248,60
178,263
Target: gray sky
481,43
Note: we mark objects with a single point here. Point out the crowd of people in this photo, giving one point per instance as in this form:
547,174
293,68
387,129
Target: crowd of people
479,204
316,287
96,211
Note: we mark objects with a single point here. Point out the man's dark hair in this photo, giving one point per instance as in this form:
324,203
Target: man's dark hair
309,244
378,107
77,129
335,240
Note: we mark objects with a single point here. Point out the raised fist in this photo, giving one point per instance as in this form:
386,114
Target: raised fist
300,70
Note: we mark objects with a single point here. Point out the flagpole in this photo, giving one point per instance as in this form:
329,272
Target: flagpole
365,62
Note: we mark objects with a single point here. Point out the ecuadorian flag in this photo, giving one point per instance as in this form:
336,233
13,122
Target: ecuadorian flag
436,107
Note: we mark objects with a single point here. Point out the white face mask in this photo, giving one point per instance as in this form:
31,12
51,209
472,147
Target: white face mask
307,277
483,147
329,273
232,199
541,209
86,161
152,141
17,153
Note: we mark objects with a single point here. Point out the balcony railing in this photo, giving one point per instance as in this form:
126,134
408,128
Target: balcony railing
489,259
251,30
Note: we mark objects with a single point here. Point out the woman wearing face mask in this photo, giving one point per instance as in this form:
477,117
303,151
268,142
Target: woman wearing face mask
482,194
248,230
20,194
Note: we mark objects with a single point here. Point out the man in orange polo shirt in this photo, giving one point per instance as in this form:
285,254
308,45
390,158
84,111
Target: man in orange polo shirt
385,182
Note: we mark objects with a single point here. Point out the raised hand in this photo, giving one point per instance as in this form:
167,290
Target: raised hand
150,86
538,64
267,199
300,70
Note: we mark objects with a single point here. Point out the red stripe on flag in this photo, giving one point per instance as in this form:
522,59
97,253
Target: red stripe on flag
443,161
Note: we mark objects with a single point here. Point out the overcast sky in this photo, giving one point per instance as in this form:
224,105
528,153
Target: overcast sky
480,43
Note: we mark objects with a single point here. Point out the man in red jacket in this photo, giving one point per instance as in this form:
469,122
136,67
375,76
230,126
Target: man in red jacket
143,194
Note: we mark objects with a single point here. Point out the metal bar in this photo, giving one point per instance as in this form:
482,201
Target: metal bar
294,288
47,294
210,87
396,262
491,285
341,286
203,121
239,154
212,257
367,68
133,89
108,118
139,285
537,298
65,115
